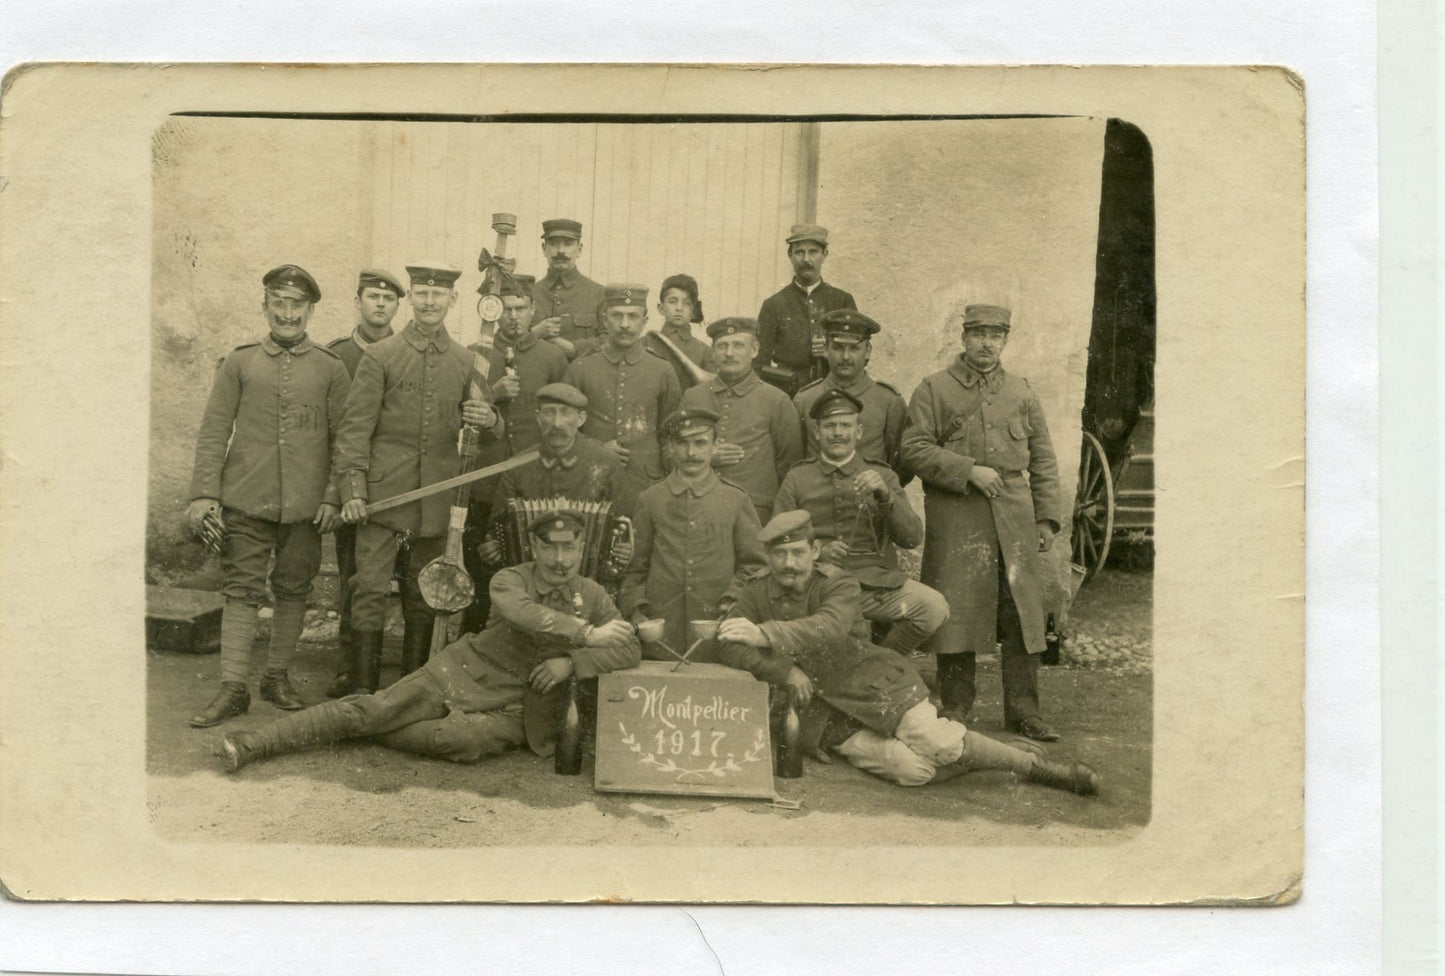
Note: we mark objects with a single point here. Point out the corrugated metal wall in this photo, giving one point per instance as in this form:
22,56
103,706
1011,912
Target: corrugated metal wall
714,200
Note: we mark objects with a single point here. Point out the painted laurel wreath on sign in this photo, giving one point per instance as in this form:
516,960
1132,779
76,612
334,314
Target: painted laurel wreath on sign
714,768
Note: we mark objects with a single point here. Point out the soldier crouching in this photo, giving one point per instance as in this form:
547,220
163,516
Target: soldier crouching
490,691
791,628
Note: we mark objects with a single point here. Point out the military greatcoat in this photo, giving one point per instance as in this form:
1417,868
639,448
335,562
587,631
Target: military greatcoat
956,419
400,428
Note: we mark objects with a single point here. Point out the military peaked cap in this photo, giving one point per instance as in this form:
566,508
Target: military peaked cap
624,295
562,227
808,232
981,315
732,325
848,325
292,276
557,522
835,401
785,527
689,421
377,278
433,273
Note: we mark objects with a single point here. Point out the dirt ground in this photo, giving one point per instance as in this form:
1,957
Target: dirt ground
357,793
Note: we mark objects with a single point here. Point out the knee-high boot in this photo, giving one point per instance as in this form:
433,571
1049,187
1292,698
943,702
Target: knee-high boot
416,638
982,752
328,722
957,687
364,669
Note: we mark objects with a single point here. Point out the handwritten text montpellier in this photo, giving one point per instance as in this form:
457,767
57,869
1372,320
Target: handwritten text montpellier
716,709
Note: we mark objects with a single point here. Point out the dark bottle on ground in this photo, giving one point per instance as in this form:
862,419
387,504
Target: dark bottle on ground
790,743
567,760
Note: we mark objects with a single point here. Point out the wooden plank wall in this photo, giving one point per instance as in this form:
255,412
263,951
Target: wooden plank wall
714,200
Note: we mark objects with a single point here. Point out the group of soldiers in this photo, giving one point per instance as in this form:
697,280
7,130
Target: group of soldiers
763,478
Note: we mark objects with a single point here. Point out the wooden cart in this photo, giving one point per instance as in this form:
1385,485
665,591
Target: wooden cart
1114,500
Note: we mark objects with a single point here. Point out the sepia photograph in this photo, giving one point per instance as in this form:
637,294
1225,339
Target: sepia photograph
806,470
620,483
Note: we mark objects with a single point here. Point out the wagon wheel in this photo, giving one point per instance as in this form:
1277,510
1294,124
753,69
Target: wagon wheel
1093,508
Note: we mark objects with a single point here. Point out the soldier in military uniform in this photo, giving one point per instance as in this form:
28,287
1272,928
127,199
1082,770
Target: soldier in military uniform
861,514
681,309
696,537
976,437
571,465
790,347
378,296
759,434
629,390
520,364
487,692
848,337
263,473
568,301
409,399
791,628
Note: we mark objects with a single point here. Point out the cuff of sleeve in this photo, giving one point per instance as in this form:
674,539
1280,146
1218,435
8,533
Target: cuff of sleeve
583,665
775,638
775,670
958,474
568,626
353,485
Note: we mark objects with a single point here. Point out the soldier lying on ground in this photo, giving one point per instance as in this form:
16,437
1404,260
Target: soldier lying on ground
490,691
791,629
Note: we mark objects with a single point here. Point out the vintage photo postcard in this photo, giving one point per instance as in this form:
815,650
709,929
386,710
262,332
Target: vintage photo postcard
763,484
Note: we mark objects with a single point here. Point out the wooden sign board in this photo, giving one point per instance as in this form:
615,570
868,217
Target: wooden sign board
701,730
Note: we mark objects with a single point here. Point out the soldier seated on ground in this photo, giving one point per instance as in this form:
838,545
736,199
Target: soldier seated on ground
791,627
489,691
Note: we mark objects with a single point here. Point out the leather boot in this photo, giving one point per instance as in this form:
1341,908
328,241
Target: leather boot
365,662
232,700
956,686
416,640
1073,776
324,723
277,689
341,685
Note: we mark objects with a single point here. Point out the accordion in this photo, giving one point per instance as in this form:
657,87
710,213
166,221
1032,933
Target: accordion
604,530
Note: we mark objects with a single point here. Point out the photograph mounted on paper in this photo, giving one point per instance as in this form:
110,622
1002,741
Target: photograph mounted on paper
587,482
